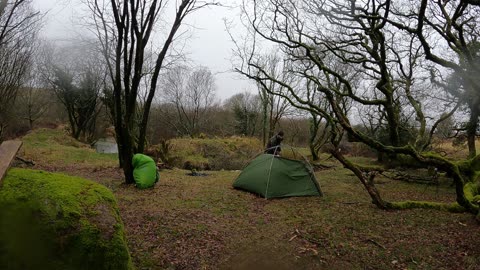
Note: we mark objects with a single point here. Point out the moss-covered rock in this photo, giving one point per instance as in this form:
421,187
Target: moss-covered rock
54,221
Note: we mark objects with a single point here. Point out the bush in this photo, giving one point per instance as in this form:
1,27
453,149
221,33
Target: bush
211,154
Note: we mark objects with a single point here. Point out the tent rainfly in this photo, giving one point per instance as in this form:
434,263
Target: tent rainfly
275,177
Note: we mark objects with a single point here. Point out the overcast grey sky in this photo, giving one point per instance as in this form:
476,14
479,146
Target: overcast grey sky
210,45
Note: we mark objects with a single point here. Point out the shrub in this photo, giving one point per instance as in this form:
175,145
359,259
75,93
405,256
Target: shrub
212,154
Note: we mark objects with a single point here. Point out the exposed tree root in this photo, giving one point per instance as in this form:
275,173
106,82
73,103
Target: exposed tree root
27,162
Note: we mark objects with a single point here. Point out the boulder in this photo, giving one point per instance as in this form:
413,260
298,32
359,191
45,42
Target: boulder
55,221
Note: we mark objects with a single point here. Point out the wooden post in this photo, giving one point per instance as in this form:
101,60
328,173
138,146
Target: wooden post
8,150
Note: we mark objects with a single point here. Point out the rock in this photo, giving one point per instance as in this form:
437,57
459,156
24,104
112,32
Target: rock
55,221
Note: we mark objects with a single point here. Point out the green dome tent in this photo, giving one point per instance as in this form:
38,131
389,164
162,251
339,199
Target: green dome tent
276,177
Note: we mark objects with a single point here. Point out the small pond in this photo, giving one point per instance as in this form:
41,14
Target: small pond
106,146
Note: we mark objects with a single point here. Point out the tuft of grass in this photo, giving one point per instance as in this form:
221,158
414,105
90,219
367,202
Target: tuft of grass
452,151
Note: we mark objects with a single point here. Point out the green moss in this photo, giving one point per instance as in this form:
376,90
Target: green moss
72,222
476,199
472,191
401,160
434,155
470,168
475,163
450,207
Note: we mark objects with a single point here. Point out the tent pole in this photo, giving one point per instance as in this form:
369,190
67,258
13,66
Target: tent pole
269,173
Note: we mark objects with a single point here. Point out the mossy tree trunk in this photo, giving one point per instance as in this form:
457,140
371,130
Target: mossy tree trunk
314,126
365,177
472,126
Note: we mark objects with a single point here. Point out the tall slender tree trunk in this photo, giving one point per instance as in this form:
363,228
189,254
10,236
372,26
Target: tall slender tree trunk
125,153
393,118
313,134
118,138
313,152
472,129
271,129
127,166
265,121
271,120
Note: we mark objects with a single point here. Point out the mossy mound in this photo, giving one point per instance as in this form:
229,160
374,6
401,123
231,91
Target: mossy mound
54,221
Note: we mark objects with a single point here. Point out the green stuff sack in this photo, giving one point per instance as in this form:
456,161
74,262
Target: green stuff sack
144,171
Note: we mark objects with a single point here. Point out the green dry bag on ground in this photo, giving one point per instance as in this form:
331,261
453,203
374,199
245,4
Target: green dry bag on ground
144,171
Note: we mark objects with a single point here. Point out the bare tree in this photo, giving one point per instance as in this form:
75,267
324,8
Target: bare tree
33,99
192,93
448,32
389,63
19,25
273,106
81,100
319,134
246,110
33,103
125,29
77,77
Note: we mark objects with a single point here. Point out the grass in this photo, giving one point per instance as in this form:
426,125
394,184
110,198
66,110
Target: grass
454,152
53,147
187,222
201,222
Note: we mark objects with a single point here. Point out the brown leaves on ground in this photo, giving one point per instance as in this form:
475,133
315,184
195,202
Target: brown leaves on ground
187,222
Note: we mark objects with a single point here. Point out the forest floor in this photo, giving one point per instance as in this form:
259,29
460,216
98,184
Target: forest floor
188,222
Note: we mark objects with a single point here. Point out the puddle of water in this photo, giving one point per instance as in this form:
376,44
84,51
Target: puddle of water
106,147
